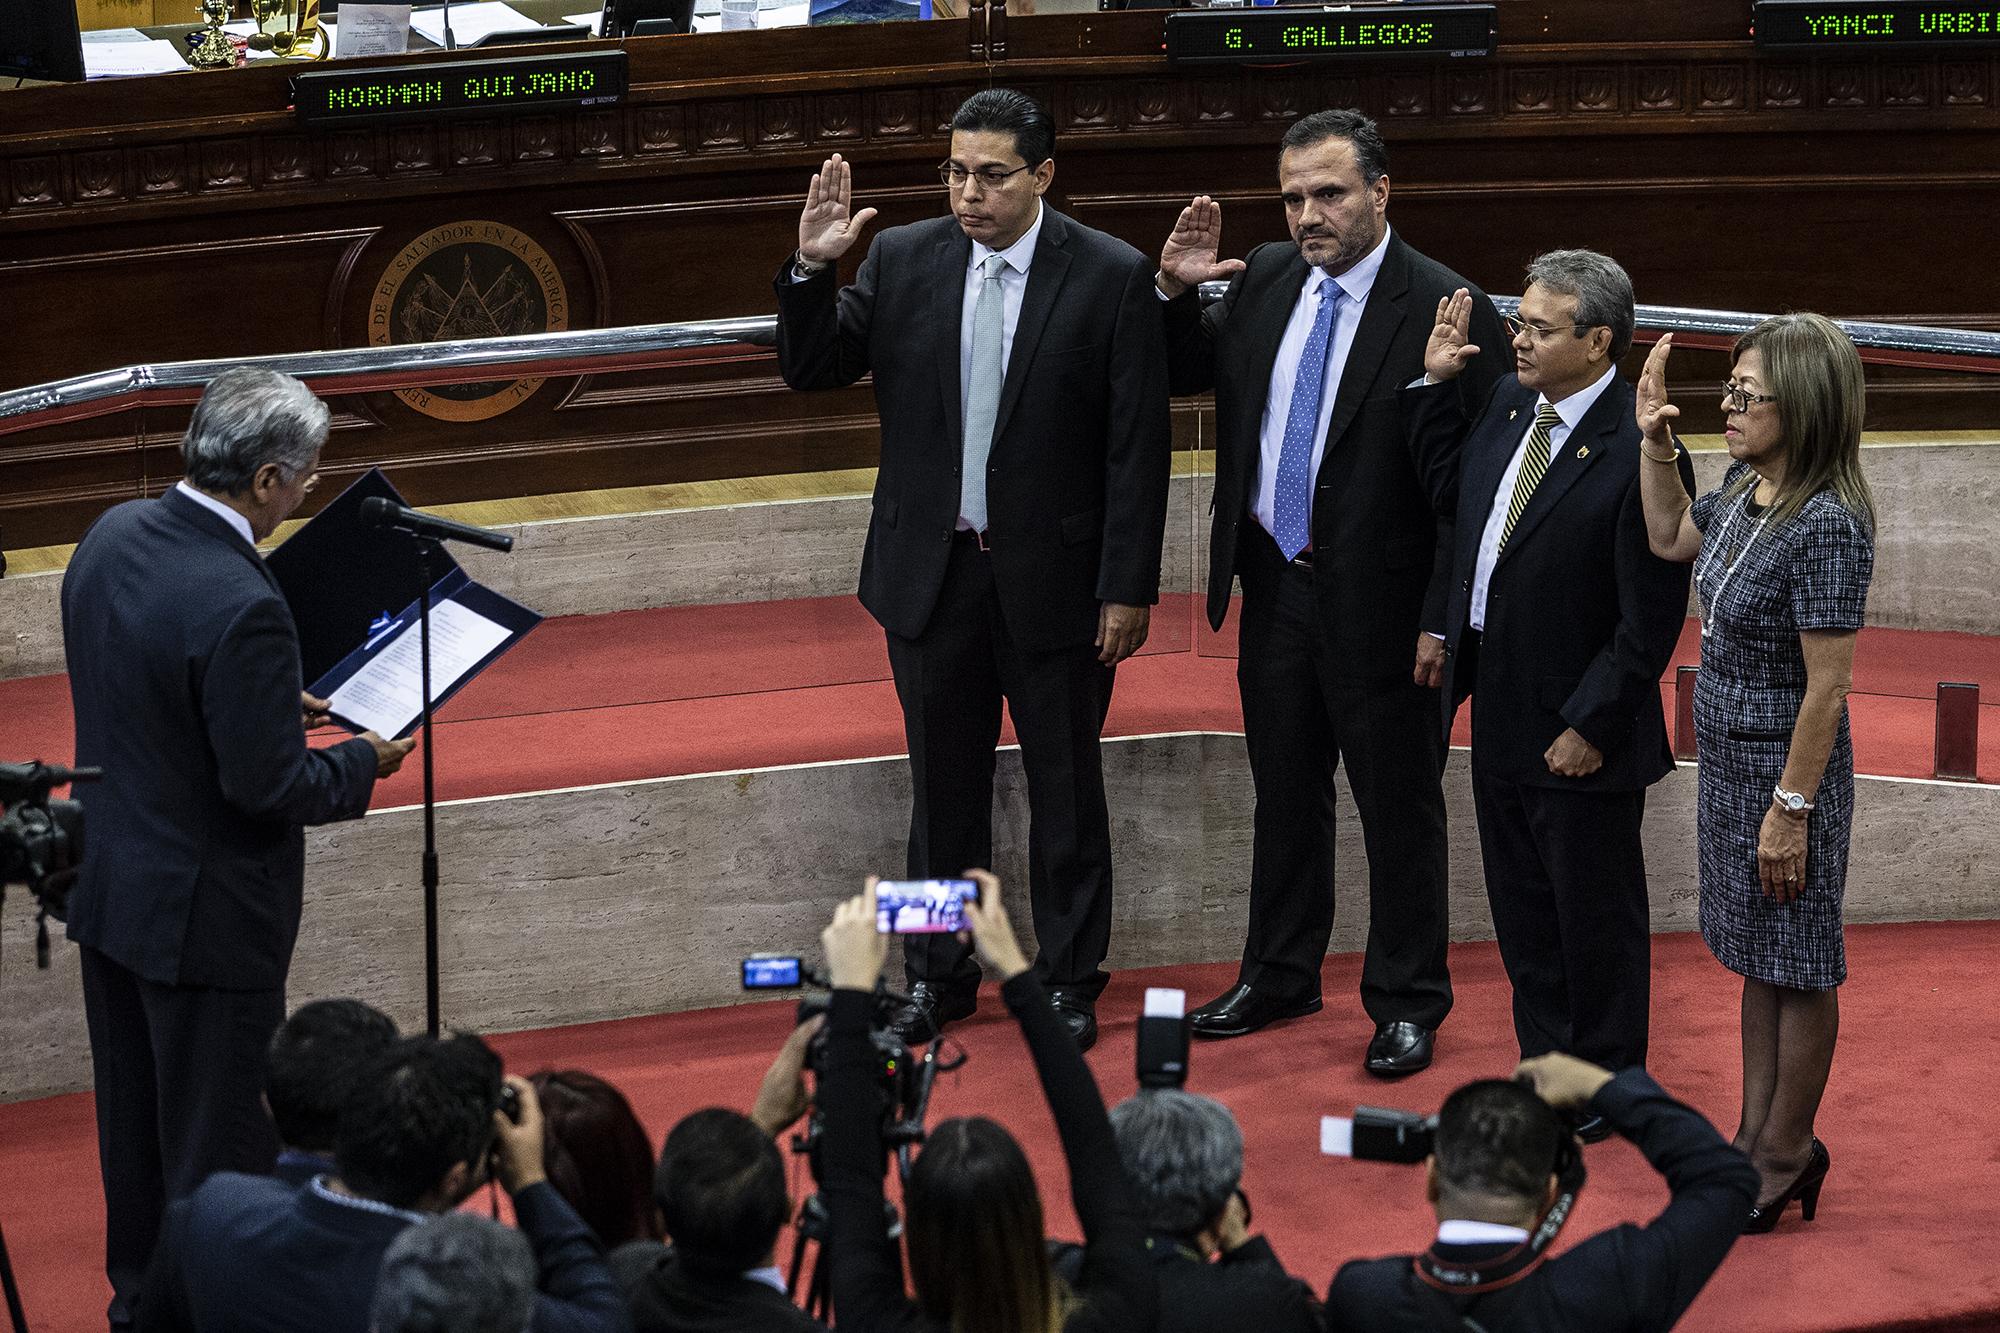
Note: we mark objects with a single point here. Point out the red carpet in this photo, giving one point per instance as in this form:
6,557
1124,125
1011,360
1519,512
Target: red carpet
1903,1239
644,694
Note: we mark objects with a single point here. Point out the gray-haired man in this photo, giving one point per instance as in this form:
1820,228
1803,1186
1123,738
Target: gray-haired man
456,1274
1184,1156
184,675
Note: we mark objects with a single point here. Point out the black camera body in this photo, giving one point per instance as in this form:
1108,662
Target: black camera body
41,841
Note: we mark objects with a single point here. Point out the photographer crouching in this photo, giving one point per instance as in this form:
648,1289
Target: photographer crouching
978,1256
1184,1156
1504,1173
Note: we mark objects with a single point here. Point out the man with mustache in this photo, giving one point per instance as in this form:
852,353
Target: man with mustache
1320,511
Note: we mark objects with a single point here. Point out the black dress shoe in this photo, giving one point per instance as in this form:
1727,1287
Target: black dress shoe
1399,1049
1078,1013
1591,1128
929,1009
1241,1010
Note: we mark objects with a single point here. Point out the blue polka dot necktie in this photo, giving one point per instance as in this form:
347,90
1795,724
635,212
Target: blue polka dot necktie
1292,521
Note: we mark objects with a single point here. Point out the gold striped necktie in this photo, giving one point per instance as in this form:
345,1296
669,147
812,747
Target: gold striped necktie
1534,464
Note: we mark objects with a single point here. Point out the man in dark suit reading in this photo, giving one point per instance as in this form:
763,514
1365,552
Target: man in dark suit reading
1493,1180
184,674
1561,620
1014,549
1321,514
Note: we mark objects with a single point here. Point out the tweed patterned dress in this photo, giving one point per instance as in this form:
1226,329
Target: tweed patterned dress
1759,586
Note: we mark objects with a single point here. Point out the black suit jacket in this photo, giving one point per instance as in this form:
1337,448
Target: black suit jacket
247,1253
1244,1288
184,673
1629,1279
1076,484
1581,616
1378,547
670,1296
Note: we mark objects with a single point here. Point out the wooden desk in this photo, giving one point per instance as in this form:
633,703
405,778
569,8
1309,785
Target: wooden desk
189,215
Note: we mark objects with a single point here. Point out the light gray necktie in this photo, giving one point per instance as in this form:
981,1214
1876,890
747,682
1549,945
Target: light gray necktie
982,392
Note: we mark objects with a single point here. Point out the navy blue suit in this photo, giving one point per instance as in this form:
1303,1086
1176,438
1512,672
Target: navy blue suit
184,674
249,1254
1581,620
1626,1280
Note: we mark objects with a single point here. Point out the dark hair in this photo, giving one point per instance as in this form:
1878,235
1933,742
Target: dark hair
1498,1137
1370,153
312,1063
456,1274
721,1190
418,1109
978,1257
1004,111
598,1155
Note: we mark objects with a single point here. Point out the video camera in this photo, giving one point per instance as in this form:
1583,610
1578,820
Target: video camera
41,841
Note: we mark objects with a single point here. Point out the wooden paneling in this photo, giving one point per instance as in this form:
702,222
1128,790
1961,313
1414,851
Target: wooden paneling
185,216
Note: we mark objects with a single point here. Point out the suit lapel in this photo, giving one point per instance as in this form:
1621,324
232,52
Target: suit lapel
1580,452
1380,318
947,279
1487,463
1264,329
1046,272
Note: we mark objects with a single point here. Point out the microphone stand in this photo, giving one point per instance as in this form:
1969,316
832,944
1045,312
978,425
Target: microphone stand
428,553
449,45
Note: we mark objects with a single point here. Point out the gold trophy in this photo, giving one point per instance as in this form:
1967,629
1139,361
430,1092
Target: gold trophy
289,28
213,51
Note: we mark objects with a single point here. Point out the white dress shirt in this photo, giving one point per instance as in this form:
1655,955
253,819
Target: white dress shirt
1463,1231
215,506
1569,411
1357,282
1013,286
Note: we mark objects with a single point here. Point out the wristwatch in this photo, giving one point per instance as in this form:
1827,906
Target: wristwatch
1790,801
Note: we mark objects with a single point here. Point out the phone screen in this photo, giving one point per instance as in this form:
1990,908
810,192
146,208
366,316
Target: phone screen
770,972
922,906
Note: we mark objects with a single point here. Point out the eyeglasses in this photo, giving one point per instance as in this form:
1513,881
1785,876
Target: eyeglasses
1539,332
992,178
1741,399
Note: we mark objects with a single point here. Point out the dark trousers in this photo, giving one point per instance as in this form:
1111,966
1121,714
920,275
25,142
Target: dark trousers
1566,879
1301,714
180,1081
951,680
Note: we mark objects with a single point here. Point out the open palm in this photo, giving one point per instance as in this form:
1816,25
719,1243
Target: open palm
828,226
1189,258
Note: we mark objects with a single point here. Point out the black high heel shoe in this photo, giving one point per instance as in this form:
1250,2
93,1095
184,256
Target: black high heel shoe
1805,1189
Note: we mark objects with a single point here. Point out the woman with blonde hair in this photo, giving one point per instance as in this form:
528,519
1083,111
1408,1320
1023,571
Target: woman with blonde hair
1782,554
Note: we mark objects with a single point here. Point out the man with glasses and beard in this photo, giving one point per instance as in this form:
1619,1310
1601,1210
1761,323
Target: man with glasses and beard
1014,549
1320,512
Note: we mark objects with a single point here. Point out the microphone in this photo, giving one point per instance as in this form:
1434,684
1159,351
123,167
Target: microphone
380,512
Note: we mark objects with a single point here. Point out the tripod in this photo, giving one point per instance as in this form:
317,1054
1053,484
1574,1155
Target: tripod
13,1290
814,1224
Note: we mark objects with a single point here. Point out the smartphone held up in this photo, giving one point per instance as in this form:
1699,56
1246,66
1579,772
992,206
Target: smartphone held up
923,906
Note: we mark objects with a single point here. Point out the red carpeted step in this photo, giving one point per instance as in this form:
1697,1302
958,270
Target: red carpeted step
678,690
1903,1238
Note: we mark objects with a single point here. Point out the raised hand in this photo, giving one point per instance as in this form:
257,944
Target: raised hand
1652,408
1447,351
826,230
1188,259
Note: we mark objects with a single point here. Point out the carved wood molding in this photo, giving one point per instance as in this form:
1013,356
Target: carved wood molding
677,129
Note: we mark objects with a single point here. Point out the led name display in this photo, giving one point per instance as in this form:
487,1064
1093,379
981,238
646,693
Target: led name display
1291,36
1831,25
332,95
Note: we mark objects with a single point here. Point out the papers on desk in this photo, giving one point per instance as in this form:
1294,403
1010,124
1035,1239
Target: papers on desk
784,16
376,30
471,22
123,59
385,692
594,20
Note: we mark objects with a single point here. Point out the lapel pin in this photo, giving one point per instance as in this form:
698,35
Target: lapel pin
1513,412
1583,451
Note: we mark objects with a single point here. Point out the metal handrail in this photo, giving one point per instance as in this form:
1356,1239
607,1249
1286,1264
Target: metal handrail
654,346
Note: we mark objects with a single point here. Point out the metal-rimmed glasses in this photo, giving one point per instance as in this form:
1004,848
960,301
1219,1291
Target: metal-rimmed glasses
992,178
1741,399
1539,332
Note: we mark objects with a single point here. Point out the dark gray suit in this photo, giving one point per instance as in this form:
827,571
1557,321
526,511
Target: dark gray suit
184,674
1076,491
